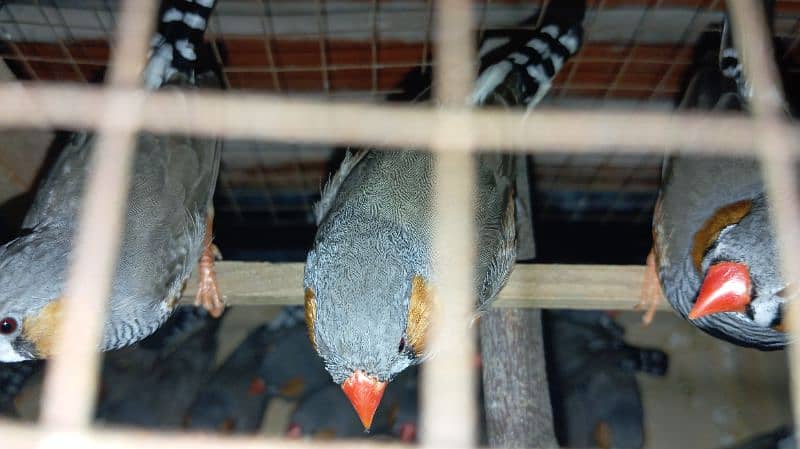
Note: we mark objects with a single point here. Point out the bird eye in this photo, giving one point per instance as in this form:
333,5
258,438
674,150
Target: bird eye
402,345
8,325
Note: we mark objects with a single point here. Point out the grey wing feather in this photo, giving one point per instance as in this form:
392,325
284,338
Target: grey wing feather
497,248
171,191
57,198
328,196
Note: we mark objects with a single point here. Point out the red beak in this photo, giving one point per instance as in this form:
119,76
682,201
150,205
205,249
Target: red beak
365,394
726,288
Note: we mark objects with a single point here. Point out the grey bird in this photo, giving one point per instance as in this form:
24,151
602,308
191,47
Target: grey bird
275,360
715,249
369,280
172,363
594,391
167,222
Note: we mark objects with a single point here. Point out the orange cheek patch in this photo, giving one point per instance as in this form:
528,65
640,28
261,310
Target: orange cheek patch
420,310
41,328
311,315
709,232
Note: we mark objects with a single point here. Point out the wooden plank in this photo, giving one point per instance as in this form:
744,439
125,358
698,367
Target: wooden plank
515,389
546,286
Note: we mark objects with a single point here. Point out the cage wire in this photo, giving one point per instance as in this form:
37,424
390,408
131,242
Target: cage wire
120,108
636,54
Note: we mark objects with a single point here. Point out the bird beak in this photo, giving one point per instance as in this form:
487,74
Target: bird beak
365,394
726,288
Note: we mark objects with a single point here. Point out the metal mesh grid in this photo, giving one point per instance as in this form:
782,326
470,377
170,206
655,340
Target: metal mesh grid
120,109
637,51
314,46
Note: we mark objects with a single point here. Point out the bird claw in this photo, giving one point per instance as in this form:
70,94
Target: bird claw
651,291
216,252
207,289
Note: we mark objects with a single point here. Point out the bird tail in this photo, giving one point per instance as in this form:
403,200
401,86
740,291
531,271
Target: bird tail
729,63
518,66
179,36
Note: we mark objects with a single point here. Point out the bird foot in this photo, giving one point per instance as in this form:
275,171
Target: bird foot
207,289
651,292
216,252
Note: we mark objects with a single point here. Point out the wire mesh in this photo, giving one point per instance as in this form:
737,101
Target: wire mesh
636,52
119,109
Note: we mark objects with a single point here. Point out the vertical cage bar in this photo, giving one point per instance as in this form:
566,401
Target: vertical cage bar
70,386
777,150
448,413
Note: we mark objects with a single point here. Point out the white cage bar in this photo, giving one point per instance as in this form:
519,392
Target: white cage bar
450,373
452,130
97,243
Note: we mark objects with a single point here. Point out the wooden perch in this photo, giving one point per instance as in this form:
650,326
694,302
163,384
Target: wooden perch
516,394
609,287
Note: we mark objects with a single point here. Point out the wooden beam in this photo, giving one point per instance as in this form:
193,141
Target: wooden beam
547,286
515,389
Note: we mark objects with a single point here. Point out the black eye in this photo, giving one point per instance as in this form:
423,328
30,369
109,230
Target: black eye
402,345
8,325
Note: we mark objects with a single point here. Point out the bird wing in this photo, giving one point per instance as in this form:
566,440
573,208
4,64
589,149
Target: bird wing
328,196
172,185
496,224
518,71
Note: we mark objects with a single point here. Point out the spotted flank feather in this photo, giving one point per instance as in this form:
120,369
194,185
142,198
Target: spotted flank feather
174,47
534,56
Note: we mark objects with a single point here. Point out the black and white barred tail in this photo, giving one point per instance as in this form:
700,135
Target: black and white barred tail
535,57
729,63
174,48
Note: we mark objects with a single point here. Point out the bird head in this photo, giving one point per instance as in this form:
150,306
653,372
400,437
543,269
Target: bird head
30,309
368,324
742,292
